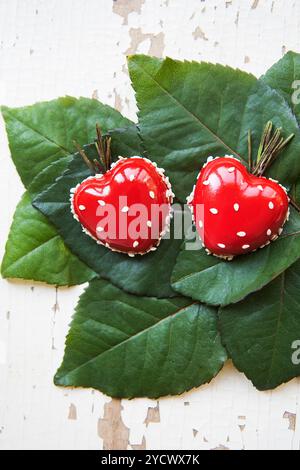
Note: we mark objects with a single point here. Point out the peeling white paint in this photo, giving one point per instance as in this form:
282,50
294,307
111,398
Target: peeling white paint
3,349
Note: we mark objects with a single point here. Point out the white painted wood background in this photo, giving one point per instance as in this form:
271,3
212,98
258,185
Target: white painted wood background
50,48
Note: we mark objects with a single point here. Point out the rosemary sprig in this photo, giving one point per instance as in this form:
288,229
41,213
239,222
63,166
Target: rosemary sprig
85,158
271,144
103,147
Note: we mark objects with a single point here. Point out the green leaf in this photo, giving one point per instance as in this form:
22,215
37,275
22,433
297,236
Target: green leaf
295,193
45,257
48,176
212,108
189,111
35,251
142,275
125,141
283,77
262,333
42,133
40,137
217,282
128,346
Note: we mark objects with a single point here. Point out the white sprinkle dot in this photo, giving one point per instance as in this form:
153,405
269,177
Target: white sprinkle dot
260,187
131,177
100,229
213,210
231,169
269,232
206,183
245,247
200,224
271,205
151,194
241,234
149,223
221,245
102,203
125,209
236,207
135,244
81,207
92,191
131,255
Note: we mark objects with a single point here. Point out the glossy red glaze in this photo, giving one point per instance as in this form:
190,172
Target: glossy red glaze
236,212
119,208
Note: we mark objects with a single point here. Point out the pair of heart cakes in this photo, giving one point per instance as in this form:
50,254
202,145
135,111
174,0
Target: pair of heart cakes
128,208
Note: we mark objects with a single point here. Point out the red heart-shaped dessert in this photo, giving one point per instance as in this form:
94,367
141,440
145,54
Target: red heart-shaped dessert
234,211
127,209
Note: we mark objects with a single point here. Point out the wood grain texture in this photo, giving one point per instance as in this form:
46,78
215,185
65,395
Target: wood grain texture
57,47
